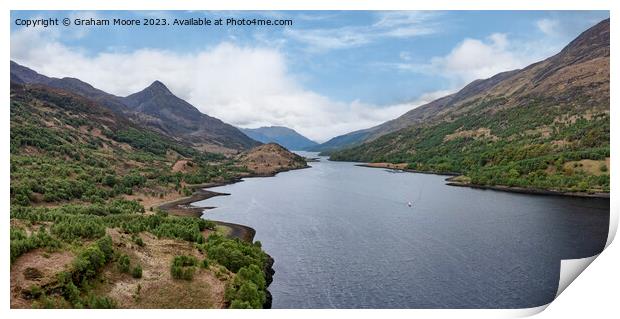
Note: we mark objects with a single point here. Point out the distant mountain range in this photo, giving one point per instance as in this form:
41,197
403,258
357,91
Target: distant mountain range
154,107
544,126
284,136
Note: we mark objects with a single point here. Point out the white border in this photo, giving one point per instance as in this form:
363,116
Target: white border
595,292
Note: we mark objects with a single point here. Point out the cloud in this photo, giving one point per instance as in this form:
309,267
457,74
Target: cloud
548,26
243,85
397,24
404,24
473,59
321,40
405,56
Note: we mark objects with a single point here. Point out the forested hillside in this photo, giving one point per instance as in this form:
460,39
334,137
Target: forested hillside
86,184
545,126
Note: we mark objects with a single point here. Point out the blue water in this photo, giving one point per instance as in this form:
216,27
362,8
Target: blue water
343,236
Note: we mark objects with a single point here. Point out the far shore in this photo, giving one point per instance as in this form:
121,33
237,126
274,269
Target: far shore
403,167
183,206
451,181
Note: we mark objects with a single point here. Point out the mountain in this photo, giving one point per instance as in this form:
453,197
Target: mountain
155,107
284,136
415,116
22,74
437,108
543,126
158,107
342,141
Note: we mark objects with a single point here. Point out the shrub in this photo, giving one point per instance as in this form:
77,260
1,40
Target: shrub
123,264
88,262
179,272
72,229
234,253
136,272
247,290
183,267
105,245
71,293
109,180
21,243
137,240
204,263
97,302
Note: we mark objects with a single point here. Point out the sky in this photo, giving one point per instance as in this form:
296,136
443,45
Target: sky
327,74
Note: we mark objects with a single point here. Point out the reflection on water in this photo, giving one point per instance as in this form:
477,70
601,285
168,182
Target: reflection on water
344,236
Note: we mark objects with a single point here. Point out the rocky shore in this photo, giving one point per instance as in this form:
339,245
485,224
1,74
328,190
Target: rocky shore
453,181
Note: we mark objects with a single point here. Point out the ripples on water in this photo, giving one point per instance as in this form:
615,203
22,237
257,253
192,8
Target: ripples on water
343,236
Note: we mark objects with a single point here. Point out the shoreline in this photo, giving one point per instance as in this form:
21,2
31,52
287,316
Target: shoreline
408,170
501,188
525,190
183,207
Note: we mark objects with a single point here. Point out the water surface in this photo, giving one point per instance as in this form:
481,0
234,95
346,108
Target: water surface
343,236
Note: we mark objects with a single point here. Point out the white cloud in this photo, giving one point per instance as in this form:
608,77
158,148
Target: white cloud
242,85
405,56
548,26
397,24
431,96
403,24
477,59
320,40
474,59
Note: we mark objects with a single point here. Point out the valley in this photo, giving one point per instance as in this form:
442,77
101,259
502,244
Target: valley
146,201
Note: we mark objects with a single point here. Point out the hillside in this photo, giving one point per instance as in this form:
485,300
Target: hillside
96,153
268,159
418,115
155,107
545,126
435,110
86,231
284,136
